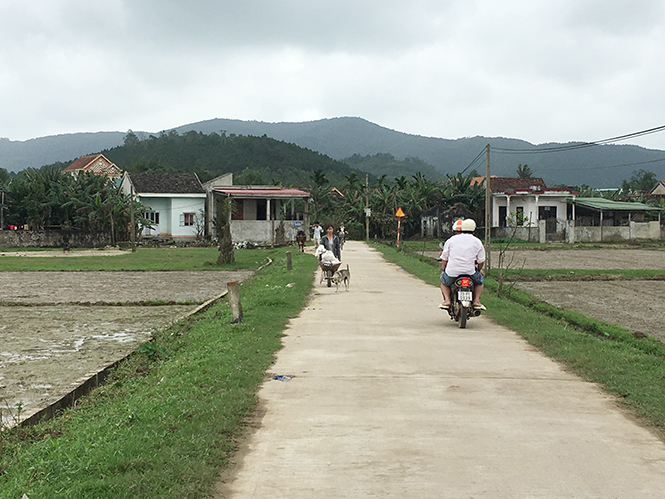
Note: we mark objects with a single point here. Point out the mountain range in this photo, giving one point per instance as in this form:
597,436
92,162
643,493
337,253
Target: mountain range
600,166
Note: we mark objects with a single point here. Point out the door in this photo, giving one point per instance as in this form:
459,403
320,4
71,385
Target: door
502,216
548,213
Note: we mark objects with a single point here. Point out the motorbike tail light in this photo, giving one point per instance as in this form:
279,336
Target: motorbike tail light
465,282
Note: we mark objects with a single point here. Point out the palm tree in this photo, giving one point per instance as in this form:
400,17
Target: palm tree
523,171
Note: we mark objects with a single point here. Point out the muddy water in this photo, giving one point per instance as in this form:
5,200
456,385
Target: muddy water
50,343
47,351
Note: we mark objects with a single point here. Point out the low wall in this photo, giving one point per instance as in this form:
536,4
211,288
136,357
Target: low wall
585,234
262,232
530,234
636,230
50,239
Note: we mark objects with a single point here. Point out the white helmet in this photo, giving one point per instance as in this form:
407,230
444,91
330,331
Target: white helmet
468,225
457,226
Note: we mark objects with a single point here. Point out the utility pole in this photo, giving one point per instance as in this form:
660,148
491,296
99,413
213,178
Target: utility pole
368,210
132,232
2,212
488,207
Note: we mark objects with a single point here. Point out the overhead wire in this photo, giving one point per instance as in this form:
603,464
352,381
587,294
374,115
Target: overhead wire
480,155
579,145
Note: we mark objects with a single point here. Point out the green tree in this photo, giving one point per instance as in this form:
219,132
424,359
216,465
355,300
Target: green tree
4,176
524,171
641,181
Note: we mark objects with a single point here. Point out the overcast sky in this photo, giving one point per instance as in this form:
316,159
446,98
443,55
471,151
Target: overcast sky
542,71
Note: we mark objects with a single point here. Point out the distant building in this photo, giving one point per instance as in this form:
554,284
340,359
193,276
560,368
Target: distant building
525,201
95,163
175,202
659,189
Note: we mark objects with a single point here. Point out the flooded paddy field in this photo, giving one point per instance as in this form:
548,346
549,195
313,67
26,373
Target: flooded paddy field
59,328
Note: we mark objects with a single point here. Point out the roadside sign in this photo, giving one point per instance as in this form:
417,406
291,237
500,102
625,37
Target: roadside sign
399,214
297,223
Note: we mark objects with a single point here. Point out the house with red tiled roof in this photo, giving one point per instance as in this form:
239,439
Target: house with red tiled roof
525,201
94,163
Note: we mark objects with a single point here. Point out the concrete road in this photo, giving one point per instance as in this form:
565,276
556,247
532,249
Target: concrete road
390,399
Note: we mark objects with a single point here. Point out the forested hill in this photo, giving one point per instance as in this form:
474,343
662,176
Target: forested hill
380,150
602,166
252,160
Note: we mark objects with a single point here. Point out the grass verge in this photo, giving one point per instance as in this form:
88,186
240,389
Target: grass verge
142,259
167,421
629,367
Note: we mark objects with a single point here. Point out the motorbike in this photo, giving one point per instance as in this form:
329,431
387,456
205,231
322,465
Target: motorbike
461,300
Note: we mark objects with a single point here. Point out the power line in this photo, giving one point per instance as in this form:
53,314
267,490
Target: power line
580,145
480,155
613,166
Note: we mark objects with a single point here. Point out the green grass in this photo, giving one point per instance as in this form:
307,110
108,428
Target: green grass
169,418
498,243
631,368
142,259
563,274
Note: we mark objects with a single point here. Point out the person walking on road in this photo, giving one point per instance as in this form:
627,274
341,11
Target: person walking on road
331,242
318,231
463,254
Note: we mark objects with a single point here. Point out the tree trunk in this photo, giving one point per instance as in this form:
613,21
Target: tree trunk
225,246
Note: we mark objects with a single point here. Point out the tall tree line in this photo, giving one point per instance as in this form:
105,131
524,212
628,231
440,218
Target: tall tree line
47,198
414,195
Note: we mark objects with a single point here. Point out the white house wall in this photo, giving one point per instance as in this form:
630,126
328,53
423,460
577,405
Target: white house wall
180,206
161,206
170,211
530,207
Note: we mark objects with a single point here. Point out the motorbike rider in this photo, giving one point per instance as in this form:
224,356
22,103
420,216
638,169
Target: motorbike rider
463,254
342,234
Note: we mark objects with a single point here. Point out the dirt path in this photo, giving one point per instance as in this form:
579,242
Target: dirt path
74,253
591,259
50,342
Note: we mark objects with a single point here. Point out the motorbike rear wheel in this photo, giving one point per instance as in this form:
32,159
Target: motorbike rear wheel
462,317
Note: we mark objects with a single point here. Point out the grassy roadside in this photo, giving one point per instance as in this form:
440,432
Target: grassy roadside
167,421
142,259
517,244
631,368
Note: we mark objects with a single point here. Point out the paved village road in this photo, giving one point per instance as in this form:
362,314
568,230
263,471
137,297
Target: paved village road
390,399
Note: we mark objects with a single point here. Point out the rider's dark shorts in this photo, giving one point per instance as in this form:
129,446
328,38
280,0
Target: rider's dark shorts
476,277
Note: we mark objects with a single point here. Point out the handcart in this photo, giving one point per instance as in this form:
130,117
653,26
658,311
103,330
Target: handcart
329,269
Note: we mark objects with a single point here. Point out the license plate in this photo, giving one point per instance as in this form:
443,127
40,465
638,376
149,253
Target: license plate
465,295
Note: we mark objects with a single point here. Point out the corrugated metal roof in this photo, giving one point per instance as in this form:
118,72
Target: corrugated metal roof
607,204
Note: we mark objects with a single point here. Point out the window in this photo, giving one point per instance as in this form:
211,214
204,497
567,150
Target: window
188,219
152,217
